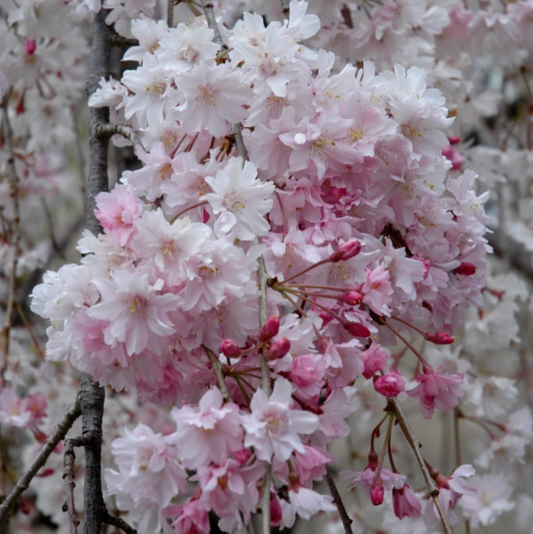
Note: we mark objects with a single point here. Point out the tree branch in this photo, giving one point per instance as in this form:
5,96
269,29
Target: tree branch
119,523
69,460
217,369
415,445
207,6
91,395
23,484
345,518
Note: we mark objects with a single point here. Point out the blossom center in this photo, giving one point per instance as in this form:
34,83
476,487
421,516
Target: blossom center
207,95
233,202
156,88
137,304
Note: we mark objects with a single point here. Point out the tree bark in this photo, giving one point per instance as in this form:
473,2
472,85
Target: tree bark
91,395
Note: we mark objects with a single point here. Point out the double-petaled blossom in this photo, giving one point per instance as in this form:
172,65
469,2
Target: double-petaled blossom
273,426
136,311
118,211
147,468
207,432
212,97
437,390
240,201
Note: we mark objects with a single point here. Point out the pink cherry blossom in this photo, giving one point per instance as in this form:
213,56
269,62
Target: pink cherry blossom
136,310
118,211
207,432
405,502
240,200
437,390
273,426
212,98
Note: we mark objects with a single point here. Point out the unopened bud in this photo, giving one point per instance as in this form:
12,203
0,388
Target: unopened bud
270,329
243,455
390,384
279,349
352,298
276,511
356,329
377,494
46,472
466,269
440,338
230,349
346,251
30,45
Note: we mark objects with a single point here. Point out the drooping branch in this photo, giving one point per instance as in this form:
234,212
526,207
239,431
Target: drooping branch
415,446
337,499
23,484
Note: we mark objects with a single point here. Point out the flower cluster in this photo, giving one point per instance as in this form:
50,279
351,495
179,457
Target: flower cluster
297,222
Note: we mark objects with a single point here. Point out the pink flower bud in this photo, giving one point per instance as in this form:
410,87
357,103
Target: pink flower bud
229,348
390,384
270,329
46,472
279,349
346,251
454,140
455,157
30,45
466,269
243,456
356,329
352,298
377,493
440,338
276,511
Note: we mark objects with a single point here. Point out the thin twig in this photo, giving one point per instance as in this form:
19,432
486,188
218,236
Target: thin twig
207,6
69,463
337,499
236,132
265,501
415,445
170,13
119,523
217,369
105,131
23,484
